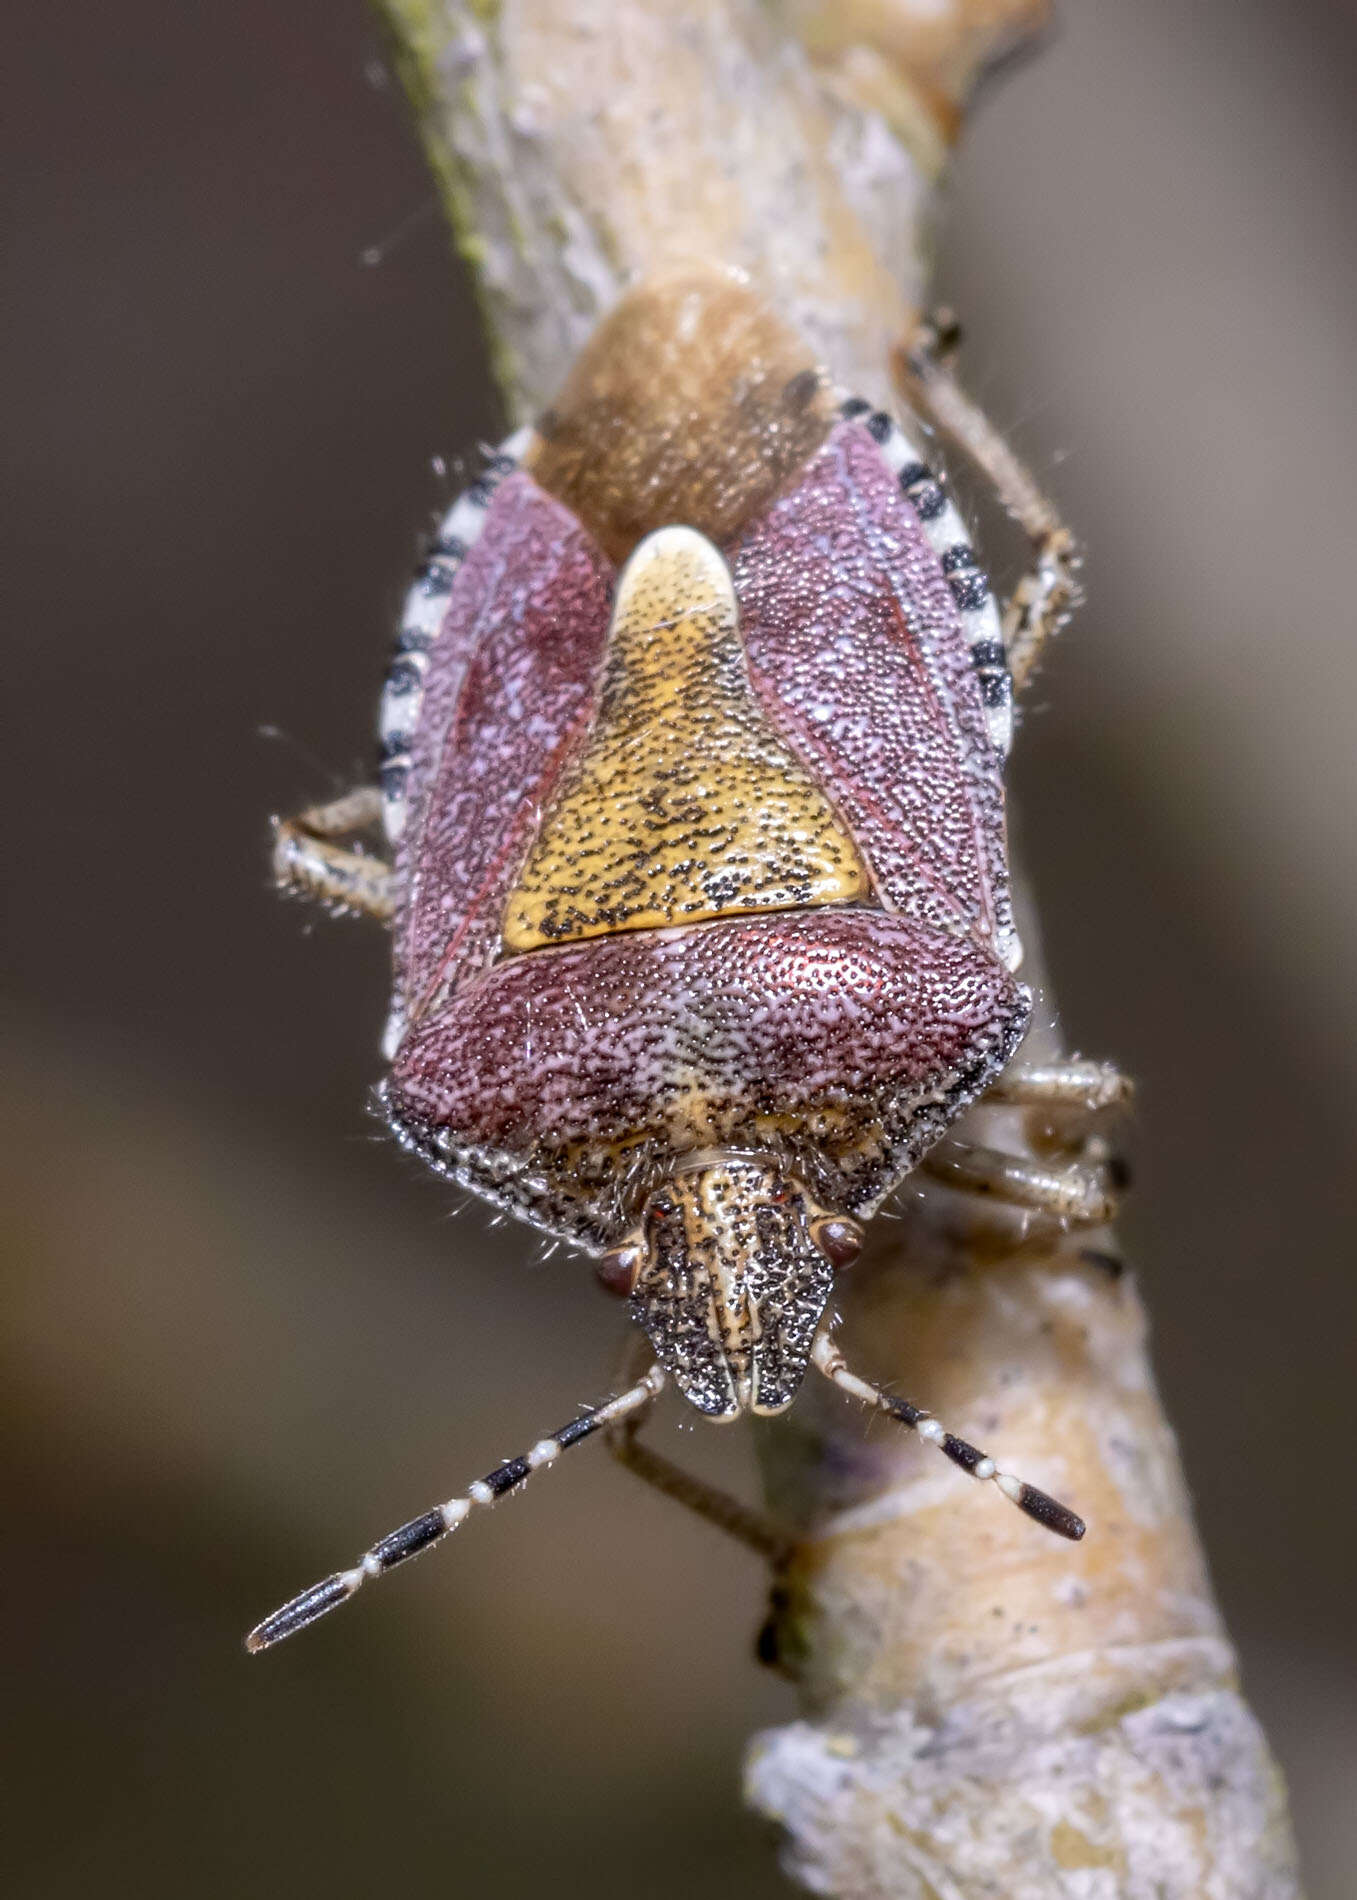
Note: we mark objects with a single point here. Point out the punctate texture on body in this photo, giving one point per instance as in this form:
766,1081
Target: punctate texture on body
705,850
692,760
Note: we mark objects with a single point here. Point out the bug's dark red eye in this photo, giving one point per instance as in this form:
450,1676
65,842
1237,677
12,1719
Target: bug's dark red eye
839,1240
617,1269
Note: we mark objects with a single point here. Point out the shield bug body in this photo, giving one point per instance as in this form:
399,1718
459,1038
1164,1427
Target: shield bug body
692,769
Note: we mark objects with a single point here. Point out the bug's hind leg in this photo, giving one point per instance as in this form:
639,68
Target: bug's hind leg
1048,594
314,855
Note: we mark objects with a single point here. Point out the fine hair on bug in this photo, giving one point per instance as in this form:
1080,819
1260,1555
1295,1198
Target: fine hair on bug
691,785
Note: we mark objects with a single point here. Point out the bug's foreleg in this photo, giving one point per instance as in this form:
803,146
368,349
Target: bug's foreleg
1080,1194
412,1538
1049,592
746,1526
310,859
1074,1083
976,1463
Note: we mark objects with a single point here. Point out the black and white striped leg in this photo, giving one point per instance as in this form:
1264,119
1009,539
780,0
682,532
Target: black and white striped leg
1046,1510
423,1531
310,859
1048,594
1077,1195
1074,1083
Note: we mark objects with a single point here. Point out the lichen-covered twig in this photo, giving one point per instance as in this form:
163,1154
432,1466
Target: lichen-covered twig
985,1711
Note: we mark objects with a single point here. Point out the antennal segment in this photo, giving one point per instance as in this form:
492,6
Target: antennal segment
423,1531
1048,1511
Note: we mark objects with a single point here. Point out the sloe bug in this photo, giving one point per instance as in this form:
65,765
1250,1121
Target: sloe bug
692,770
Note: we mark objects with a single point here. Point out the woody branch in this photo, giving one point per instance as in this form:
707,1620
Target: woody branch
983,1710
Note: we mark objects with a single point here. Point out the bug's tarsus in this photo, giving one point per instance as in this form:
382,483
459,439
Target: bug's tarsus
1050,592
1047,1511
409,1539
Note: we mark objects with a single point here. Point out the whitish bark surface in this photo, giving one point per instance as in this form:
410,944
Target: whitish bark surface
986,1711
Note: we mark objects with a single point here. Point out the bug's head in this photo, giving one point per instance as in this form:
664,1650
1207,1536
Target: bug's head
729,1272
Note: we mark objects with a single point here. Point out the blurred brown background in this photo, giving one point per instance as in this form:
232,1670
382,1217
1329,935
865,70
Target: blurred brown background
242,1335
